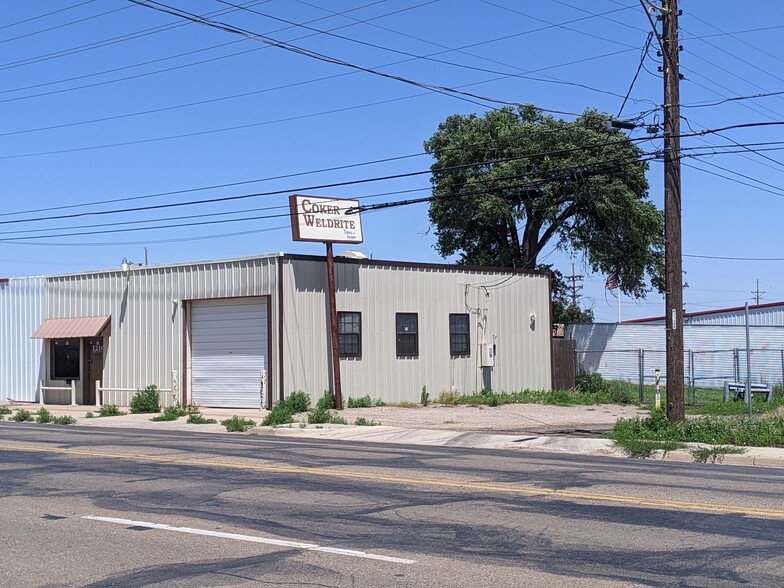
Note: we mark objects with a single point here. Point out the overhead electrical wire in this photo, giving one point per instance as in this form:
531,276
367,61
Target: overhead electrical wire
446,90
40,16
63,25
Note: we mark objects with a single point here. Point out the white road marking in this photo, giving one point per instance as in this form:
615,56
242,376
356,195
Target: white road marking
251,539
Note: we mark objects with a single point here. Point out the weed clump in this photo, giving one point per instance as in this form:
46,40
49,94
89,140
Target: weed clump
147,400
22,416
64,420
109,410
44,416
318,416
195,418
363,422
279,415
238,425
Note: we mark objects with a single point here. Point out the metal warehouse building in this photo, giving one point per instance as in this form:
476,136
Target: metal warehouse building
21,358
243,333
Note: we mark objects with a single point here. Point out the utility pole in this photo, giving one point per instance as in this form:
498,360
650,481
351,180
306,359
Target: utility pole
673,263
575,288
756,293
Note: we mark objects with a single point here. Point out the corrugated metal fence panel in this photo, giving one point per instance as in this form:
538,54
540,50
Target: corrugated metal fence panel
146,344
613,350
228,351
765,316
21,358
507,300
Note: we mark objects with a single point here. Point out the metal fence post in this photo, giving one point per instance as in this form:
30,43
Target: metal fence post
691,378
641,368
782,367
736,363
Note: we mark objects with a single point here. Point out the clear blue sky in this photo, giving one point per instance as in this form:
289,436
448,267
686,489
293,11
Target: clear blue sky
105,100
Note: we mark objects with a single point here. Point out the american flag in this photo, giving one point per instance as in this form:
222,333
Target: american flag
612,282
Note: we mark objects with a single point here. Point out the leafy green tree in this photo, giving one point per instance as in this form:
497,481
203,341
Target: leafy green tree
564,312
540,179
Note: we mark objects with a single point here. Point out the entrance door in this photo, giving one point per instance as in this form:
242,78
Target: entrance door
93,369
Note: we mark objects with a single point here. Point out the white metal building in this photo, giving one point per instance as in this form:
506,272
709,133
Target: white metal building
246,332
21,358
769,314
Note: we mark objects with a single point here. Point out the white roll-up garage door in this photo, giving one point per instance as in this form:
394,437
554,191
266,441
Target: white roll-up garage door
228,351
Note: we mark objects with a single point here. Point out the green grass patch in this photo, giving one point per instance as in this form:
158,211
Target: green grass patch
238,425
109,410
146,401
737,407
195,418
363,422
22,416
764,431
64,420
364,402
5,410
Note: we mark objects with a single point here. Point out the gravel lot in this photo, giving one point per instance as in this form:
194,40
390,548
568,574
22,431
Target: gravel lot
509,418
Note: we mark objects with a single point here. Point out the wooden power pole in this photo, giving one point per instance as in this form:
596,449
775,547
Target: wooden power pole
673,263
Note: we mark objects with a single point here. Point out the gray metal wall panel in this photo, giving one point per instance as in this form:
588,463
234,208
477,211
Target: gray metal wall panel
769,316
146,344
21,358
378,292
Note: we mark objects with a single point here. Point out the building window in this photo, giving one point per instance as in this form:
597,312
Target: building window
459,338
407,334
65,359
350,334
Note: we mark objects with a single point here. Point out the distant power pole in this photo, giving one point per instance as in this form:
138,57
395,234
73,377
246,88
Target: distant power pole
757,294
673,263
575,287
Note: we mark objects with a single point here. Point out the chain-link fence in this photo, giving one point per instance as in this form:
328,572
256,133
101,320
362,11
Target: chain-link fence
705,372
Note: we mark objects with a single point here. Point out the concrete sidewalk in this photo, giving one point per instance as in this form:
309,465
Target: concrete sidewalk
446,426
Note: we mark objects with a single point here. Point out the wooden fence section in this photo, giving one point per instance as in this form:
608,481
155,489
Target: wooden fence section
564,365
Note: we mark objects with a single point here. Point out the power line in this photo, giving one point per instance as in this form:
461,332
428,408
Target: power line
459,94
26,20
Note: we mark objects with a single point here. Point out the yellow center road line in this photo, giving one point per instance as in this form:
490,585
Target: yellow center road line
416,481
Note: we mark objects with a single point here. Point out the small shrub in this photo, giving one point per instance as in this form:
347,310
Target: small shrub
424,396
89,415
714,454
64,420
22,416
171,413
363,422
449,398
195,418
238,425
146,401
279,415
44,416
297,401
5,410
364,402
326,402
110,410
591,383
318,416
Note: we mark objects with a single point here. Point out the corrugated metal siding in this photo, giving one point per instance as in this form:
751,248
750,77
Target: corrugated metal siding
613,350
146,344
21,358
378,292
769,316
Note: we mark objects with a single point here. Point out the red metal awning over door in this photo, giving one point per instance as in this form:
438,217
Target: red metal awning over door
74,328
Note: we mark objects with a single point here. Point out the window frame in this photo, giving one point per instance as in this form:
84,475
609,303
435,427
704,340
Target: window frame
349,334
404,349
464,351
70,344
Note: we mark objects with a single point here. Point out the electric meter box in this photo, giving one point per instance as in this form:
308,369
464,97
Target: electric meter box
487,358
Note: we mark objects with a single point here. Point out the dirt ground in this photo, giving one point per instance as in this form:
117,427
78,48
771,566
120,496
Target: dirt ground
509,418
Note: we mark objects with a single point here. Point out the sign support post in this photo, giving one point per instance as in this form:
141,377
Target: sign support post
327,220
333,320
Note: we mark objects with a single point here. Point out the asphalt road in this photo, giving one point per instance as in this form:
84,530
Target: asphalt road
110,507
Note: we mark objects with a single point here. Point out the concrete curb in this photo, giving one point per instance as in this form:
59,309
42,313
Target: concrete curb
754,456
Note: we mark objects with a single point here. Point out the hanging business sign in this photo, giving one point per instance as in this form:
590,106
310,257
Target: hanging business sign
316,218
